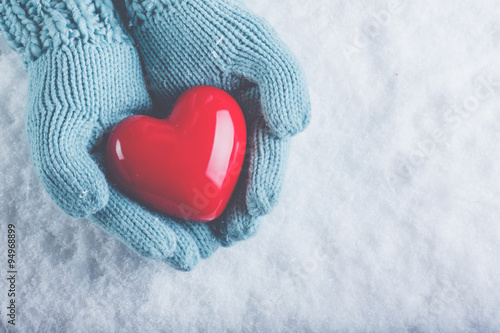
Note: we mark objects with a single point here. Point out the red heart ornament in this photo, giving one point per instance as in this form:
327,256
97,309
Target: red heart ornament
186,165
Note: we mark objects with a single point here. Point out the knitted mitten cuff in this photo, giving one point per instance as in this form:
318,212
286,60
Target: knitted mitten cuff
33,26
84,76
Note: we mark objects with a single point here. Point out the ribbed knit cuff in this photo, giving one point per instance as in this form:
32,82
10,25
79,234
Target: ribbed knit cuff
144,10
32,27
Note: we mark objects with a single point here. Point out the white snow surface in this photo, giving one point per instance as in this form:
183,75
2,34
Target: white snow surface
389,219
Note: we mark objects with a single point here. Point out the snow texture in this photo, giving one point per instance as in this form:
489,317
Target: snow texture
389,219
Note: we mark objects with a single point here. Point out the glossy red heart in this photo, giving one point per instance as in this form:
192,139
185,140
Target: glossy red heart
186,165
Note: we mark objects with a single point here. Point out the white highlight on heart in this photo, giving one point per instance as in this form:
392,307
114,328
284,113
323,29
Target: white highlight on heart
221,149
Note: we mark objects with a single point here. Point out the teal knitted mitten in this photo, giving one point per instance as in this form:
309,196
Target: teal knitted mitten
186,43
85,76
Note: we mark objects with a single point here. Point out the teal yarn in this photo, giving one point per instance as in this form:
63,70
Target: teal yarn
186,43
79,87
87,72
32,27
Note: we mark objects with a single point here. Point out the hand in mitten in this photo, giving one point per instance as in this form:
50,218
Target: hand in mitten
85,76
186,43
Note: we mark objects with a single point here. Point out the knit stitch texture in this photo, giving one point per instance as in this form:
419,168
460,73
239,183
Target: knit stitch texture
85,75
186,43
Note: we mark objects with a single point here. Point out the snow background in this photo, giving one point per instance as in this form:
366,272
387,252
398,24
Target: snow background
389,219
